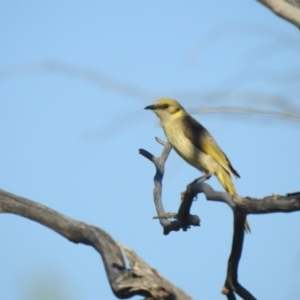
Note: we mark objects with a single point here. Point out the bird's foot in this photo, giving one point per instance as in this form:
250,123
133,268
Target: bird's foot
204,177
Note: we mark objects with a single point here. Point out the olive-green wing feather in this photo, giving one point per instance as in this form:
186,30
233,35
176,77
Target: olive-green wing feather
203,140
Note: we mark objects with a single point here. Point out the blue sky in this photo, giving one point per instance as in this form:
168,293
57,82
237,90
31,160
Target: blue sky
74,79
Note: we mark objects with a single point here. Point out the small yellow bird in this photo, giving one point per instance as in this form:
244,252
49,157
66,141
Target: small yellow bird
194,143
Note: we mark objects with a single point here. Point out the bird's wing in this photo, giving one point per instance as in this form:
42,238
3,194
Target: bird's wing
203,140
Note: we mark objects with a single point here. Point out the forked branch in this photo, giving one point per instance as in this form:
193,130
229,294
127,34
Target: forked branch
240,206
185,218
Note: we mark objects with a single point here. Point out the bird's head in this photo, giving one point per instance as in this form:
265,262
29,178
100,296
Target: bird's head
167,109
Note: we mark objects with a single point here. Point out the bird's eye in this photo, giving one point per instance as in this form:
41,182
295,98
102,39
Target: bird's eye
165,106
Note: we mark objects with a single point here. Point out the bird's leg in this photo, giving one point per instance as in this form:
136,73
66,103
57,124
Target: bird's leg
205,177
202,179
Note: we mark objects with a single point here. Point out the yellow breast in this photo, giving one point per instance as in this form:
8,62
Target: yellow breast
183,146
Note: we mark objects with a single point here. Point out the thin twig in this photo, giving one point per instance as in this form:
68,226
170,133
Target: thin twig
246,110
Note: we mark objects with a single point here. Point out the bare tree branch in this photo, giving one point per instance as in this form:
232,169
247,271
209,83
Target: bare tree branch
159,163
247,205
288,10
125,283
246,110
86,73
231,283
130,90
240,206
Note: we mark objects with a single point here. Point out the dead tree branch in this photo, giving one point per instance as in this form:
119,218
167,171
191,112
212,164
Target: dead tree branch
288,10
159,163
241,207
125,283
247,110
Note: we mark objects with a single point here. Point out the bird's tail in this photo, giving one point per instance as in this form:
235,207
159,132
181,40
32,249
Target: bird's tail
225,179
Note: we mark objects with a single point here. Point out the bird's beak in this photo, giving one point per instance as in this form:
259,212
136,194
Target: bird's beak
152,107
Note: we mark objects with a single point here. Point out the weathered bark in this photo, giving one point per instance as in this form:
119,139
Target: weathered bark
159,163
288,10
125,283
241,207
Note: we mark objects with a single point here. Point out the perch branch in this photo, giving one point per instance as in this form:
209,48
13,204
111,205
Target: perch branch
240,206
269,204
125,283
159,163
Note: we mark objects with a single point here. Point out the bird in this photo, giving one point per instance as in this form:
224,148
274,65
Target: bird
195,144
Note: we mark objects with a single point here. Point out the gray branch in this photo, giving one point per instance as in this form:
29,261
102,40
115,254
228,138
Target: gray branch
241,207
125,283
247,110
186,220
288,10
248,205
